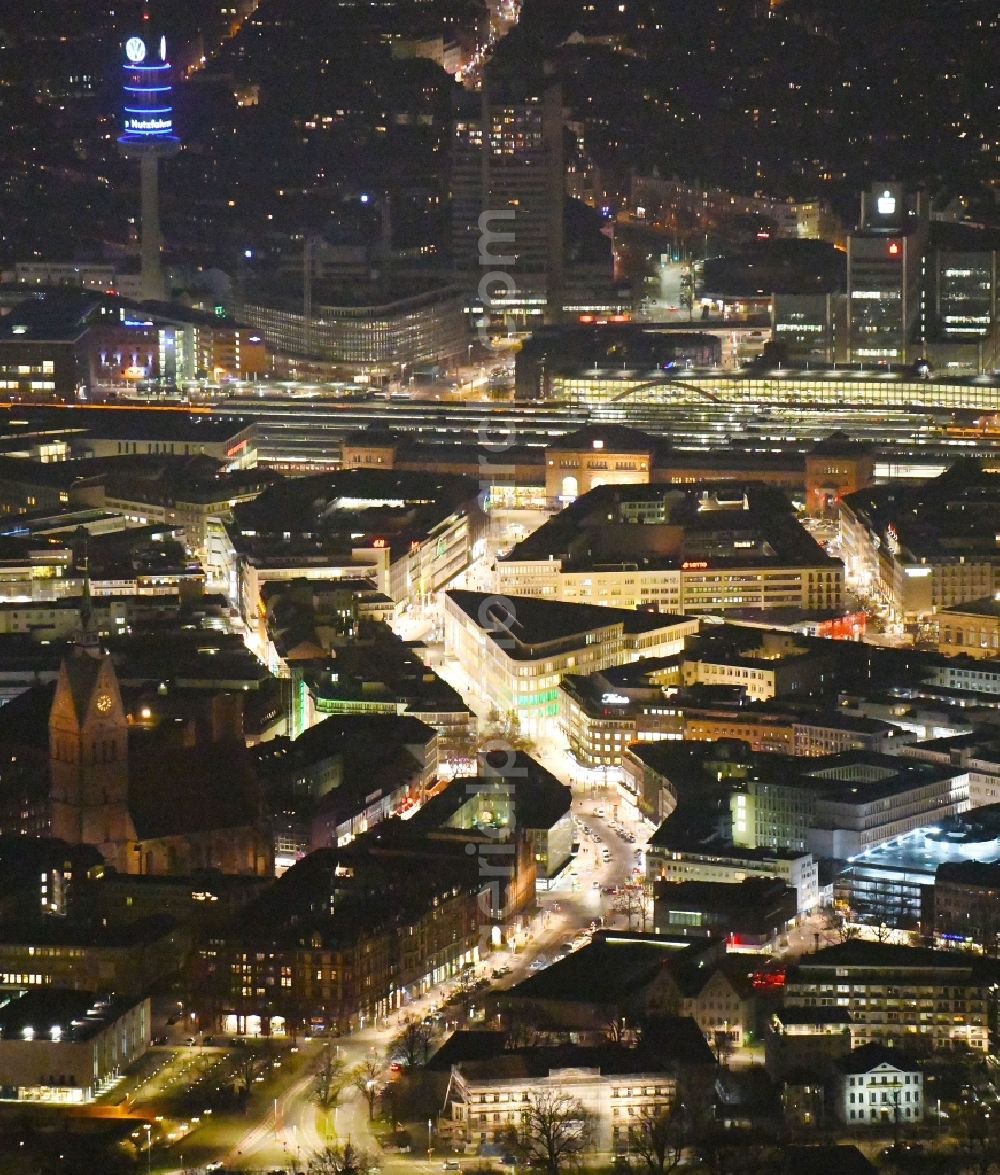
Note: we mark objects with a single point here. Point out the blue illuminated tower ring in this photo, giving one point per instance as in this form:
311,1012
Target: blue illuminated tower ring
148,135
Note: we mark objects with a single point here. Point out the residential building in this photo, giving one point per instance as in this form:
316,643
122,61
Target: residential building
908,997
51,953
346,935
879,1086
66,1047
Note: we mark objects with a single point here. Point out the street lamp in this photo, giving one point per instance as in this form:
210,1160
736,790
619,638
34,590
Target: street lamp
429,1127
149,1146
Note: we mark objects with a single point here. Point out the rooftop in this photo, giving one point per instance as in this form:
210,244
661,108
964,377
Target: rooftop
948,519
871,1056
661,526
970,838
614,966
59,1014
990,606
604,1059
307,517
609,438
531,627
795,1015
863,955
537,798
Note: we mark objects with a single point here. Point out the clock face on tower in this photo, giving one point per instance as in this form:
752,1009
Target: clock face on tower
103,703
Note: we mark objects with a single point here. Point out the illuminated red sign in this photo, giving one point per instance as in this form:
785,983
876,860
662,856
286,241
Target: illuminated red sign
893,248
694,566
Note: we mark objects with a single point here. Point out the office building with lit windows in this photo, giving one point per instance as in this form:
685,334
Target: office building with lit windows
61,345
408,532
519,648
370,333
884,256
507,169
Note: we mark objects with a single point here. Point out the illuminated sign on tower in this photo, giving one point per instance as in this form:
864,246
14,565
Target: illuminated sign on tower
148,136
147,113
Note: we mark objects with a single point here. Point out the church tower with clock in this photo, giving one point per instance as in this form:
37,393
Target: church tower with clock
88,756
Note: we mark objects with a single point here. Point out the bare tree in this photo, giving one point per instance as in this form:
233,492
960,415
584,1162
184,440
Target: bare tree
342,1160
659,1137
522,1023
555,1131
837,923
619,1030
249,1061
632,901
330,1078
413,1044
724,1047
367,1080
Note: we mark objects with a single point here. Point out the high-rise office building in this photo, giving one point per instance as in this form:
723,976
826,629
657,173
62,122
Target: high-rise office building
507,193
884,258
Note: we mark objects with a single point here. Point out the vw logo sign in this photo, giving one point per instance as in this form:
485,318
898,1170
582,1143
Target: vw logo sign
135,49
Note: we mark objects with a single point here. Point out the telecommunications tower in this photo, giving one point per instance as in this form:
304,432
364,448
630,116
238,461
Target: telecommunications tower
148,136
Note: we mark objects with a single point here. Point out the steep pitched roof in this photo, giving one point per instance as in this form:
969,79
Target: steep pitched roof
79,673
870,1056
